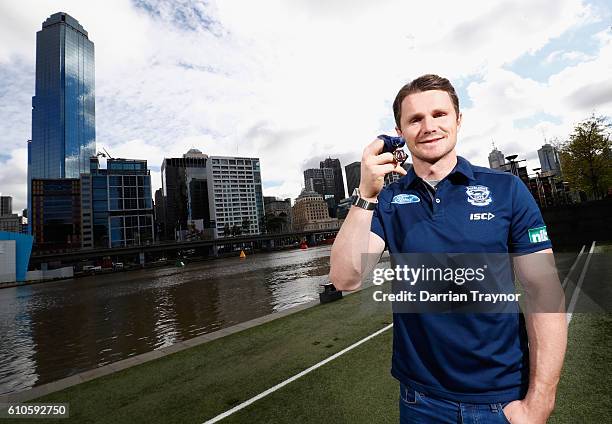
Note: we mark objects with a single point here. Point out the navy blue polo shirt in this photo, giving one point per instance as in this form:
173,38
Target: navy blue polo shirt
478,357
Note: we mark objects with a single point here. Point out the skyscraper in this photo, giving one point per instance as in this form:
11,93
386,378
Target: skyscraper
320,180
6,205
353,175
334,164
63,106
549,159
496,159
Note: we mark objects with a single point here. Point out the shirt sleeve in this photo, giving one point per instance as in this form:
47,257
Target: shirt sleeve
528,231
377,224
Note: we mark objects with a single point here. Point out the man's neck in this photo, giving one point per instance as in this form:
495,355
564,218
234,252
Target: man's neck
437,170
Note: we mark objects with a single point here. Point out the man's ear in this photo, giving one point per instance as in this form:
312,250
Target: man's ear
459,120
398,131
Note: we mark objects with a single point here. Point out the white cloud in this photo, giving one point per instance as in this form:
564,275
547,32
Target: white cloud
291,81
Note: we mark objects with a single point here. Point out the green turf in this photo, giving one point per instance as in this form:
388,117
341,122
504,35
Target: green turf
584,394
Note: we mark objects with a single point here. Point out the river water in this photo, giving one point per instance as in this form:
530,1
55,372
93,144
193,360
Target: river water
53,330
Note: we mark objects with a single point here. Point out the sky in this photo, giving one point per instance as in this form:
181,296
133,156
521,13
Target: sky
295,81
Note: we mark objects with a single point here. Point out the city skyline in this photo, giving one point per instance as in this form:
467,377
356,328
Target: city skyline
229,80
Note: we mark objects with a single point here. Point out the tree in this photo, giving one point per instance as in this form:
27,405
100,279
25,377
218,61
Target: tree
586,158
227,231
246,225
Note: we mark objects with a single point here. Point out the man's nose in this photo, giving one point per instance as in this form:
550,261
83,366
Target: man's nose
429,125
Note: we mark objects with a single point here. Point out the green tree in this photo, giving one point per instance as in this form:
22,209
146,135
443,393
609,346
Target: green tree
586,159
246,225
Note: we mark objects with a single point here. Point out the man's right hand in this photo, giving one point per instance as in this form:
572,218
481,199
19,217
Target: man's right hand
374,167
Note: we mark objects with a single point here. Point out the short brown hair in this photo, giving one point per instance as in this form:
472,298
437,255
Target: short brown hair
424,83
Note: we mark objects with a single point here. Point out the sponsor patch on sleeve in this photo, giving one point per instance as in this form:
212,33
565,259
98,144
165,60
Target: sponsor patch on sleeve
538,235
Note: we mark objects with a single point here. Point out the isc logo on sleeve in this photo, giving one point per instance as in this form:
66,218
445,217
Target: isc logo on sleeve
484,216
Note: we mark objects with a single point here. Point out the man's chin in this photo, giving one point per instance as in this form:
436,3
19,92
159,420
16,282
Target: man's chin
431,157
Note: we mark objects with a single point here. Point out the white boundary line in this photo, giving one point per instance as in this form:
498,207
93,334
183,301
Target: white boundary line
295,377
566,279
572,305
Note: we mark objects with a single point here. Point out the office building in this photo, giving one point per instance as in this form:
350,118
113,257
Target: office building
211,195
496,159
278,217
184,195
10,222
116,206
6,205
235,194
310,213
55,218
320,180
63,106
549,160
338,183
159,210
353,176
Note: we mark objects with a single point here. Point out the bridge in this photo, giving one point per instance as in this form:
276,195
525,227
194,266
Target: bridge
212,247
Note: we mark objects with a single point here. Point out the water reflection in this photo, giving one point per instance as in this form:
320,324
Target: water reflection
53,330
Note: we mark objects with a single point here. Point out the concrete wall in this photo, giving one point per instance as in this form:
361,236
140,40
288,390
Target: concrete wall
8,261
65,272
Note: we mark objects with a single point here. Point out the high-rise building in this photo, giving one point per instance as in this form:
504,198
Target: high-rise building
55,215
116,204
235,195
320,181
338,183
215,193
63,106
496,159
6,205
549,159
159,209
185,194
353,176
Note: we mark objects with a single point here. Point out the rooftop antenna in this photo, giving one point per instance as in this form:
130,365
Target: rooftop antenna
107,154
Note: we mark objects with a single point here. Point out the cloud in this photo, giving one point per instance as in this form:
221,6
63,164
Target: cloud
592,95
560,55
295,82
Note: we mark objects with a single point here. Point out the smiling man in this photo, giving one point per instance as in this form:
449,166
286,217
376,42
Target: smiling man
470,367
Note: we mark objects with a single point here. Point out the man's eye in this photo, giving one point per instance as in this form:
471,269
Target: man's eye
437,115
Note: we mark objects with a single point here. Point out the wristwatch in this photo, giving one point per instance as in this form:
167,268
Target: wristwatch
362,203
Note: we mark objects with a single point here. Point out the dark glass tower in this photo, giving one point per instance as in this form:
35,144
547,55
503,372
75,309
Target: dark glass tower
63,106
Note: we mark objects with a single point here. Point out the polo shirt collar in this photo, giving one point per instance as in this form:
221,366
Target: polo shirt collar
462,167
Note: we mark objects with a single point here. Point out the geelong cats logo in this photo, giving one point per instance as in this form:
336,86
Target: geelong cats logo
479,195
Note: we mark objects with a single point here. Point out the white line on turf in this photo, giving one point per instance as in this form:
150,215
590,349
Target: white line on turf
566,279
572,305
295,377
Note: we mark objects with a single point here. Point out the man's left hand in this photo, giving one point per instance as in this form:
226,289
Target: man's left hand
523,412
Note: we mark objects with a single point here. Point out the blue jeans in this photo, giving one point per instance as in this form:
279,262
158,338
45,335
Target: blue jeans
419,408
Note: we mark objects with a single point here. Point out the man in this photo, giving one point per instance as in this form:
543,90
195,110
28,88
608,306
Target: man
456,368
